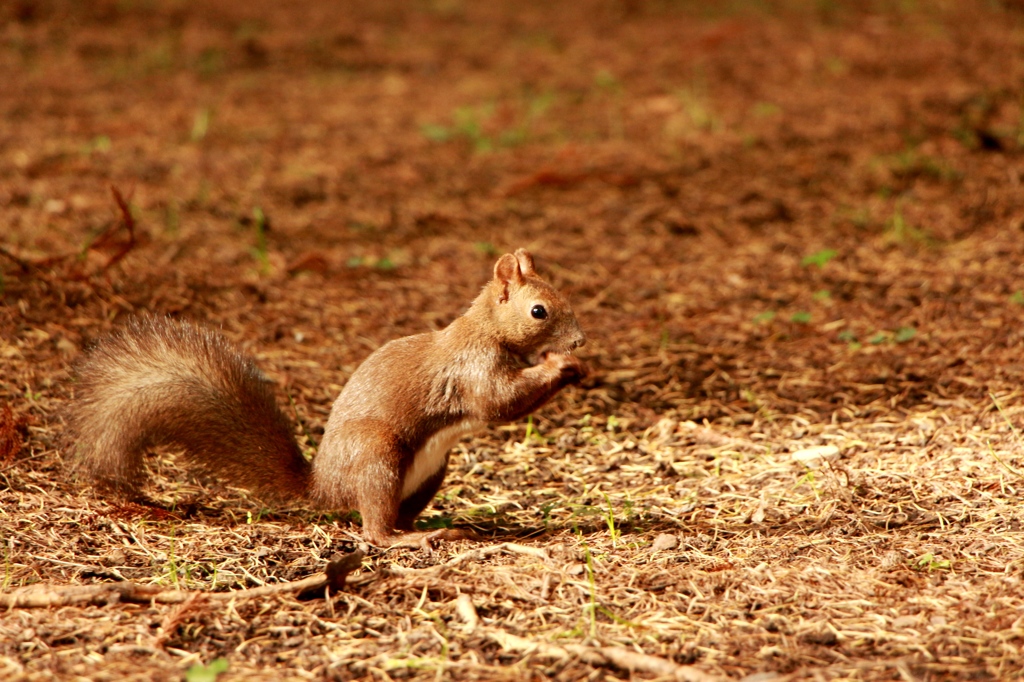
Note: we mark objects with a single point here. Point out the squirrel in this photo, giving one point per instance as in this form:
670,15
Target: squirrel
384,451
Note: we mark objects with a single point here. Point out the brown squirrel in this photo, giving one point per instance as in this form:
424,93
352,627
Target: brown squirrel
384,451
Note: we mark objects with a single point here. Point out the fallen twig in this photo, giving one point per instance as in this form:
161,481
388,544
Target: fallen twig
43,596
104,239
617,657
129,224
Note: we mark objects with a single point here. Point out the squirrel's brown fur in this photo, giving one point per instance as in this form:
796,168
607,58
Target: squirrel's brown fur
385,446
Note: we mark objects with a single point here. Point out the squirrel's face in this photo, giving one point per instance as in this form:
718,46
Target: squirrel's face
534,318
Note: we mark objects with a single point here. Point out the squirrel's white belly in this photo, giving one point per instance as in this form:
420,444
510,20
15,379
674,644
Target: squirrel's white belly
434,454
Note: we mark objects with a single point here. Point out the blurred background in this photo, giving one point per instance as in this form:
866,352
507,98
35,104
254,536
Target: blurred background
732,192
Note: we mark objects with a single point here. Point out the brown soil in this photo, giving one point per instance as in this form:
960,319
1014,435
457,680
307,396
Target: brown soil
792,231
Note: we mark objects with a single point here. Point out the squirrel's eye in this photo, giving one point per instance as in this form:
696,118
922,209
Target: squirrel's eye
539,312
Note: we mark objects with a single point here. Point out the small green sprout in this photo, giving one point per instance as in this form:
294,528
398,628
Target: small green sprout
201,124
929,562
801,317
613,532
904,334
207,673
819,258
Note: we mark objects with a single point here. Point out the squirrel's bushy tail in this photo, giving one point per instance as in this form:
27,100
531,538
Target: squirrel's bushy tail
159,382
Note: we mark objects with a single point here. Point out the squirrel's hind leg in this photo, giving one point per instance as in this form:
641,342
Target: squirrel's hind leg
413,505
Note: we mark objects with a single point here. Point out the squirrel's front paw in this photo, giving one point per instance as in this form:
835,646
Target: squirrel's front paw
570,368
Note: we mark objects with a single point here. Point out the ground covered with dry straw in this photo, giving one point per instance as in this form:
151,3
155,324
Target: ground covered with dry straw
792,231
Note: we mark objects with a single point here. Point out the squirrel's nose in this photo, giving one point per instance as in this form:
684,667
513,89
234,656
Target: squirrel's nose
580,340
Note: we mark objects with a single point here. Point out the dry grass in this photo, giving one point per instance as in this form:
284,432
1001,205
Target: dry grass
782,467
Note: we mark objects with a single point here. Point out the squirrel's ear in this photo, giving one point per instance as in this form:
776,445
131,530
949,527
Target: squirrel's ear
507,273
525,262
